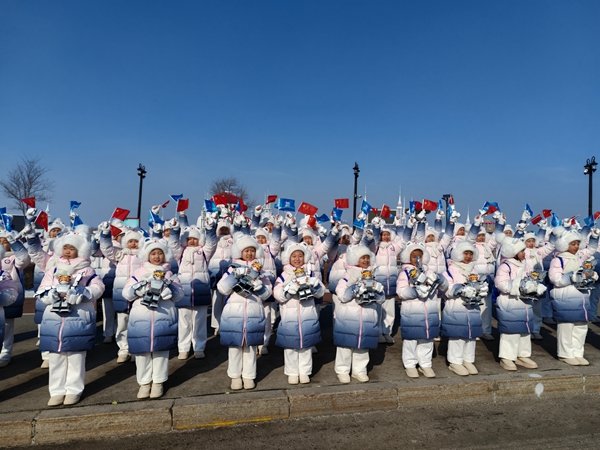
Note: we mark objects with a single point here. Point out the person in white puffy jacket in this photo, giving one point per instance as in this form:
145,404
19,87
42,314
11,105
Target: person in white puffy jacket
217,266
127,262
570,300
152,328
418,289
299,330
356,315
194,276
242,326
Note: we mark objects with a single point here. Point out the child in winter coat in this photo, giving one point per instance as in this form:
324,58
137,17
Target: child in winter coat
461,318
152,326
356,315
242,324
70,289
514,306
569,276
299,329
218,265
195,280
419,317
9,290
127,263
13,259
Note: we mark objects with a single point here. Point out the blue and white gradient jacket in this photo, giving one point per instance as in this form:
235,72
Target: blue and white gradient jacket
299,327
419,317
152,329
355,326
243,318
459,320
515,316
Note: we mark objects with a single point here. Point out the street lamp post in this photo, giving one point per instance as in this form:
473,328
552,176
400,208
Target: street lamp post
588,169
141,170
356,172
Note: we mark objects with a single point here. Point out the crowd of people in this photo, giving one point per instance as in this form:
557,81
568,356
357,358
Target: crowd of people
264,272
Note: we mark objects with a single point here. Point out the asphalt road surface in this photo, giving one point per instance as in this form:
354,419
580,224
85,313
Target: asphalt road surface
570,422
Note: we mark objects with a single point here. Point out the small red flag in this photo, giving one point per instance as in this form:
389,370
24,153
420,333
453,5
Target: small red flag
451,200
418,206
120,213
375,211
491,210
242,207
183,204
271,199
308,209
220,199
546,213
312,221
429,205
165,204
596,215
537,219
115,231
29,201
386,211
342,203
41,219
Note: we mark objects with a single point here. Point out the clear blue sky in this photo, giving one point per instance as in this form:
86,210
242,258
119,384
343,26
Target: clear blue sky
488,100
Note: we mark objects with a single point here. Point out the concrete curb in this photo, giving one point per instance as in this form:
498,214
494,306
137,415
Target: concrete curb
123,419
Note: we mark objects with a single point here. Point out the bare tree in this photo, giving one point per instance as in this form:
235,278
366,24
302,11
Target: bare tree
231,185
28,179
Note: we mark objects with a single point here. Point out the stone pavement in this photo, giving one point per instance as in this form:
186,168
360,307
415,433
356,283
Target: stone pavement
197,392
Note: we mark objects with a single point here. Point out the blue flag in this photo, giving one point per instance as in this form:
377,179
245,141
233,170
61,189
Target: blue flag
528,209
360,224
286,204
336,214
322,218
440,206
365,207
3,210
210,206
74,205
7,219
589,221
555,221
411,207
154,218
77,221
176,197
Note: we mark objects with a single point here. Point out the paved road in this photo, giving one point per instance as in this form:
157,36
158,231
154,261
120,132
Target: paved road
571,422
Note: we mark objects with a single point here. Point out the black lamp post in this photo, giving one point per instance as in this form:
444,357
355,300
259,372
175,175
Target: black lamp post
588,169
356,172
141,170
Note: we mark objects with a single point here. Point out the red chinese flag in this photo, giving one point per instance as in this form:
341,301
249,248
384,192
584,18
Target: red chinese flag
418,206
596,215
271,199
342,203
29,201
491,210
537,219
220,199
120,213
42,219
375,211
183,204
115,231
385,211
308,209
546,213
312,221
429,205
